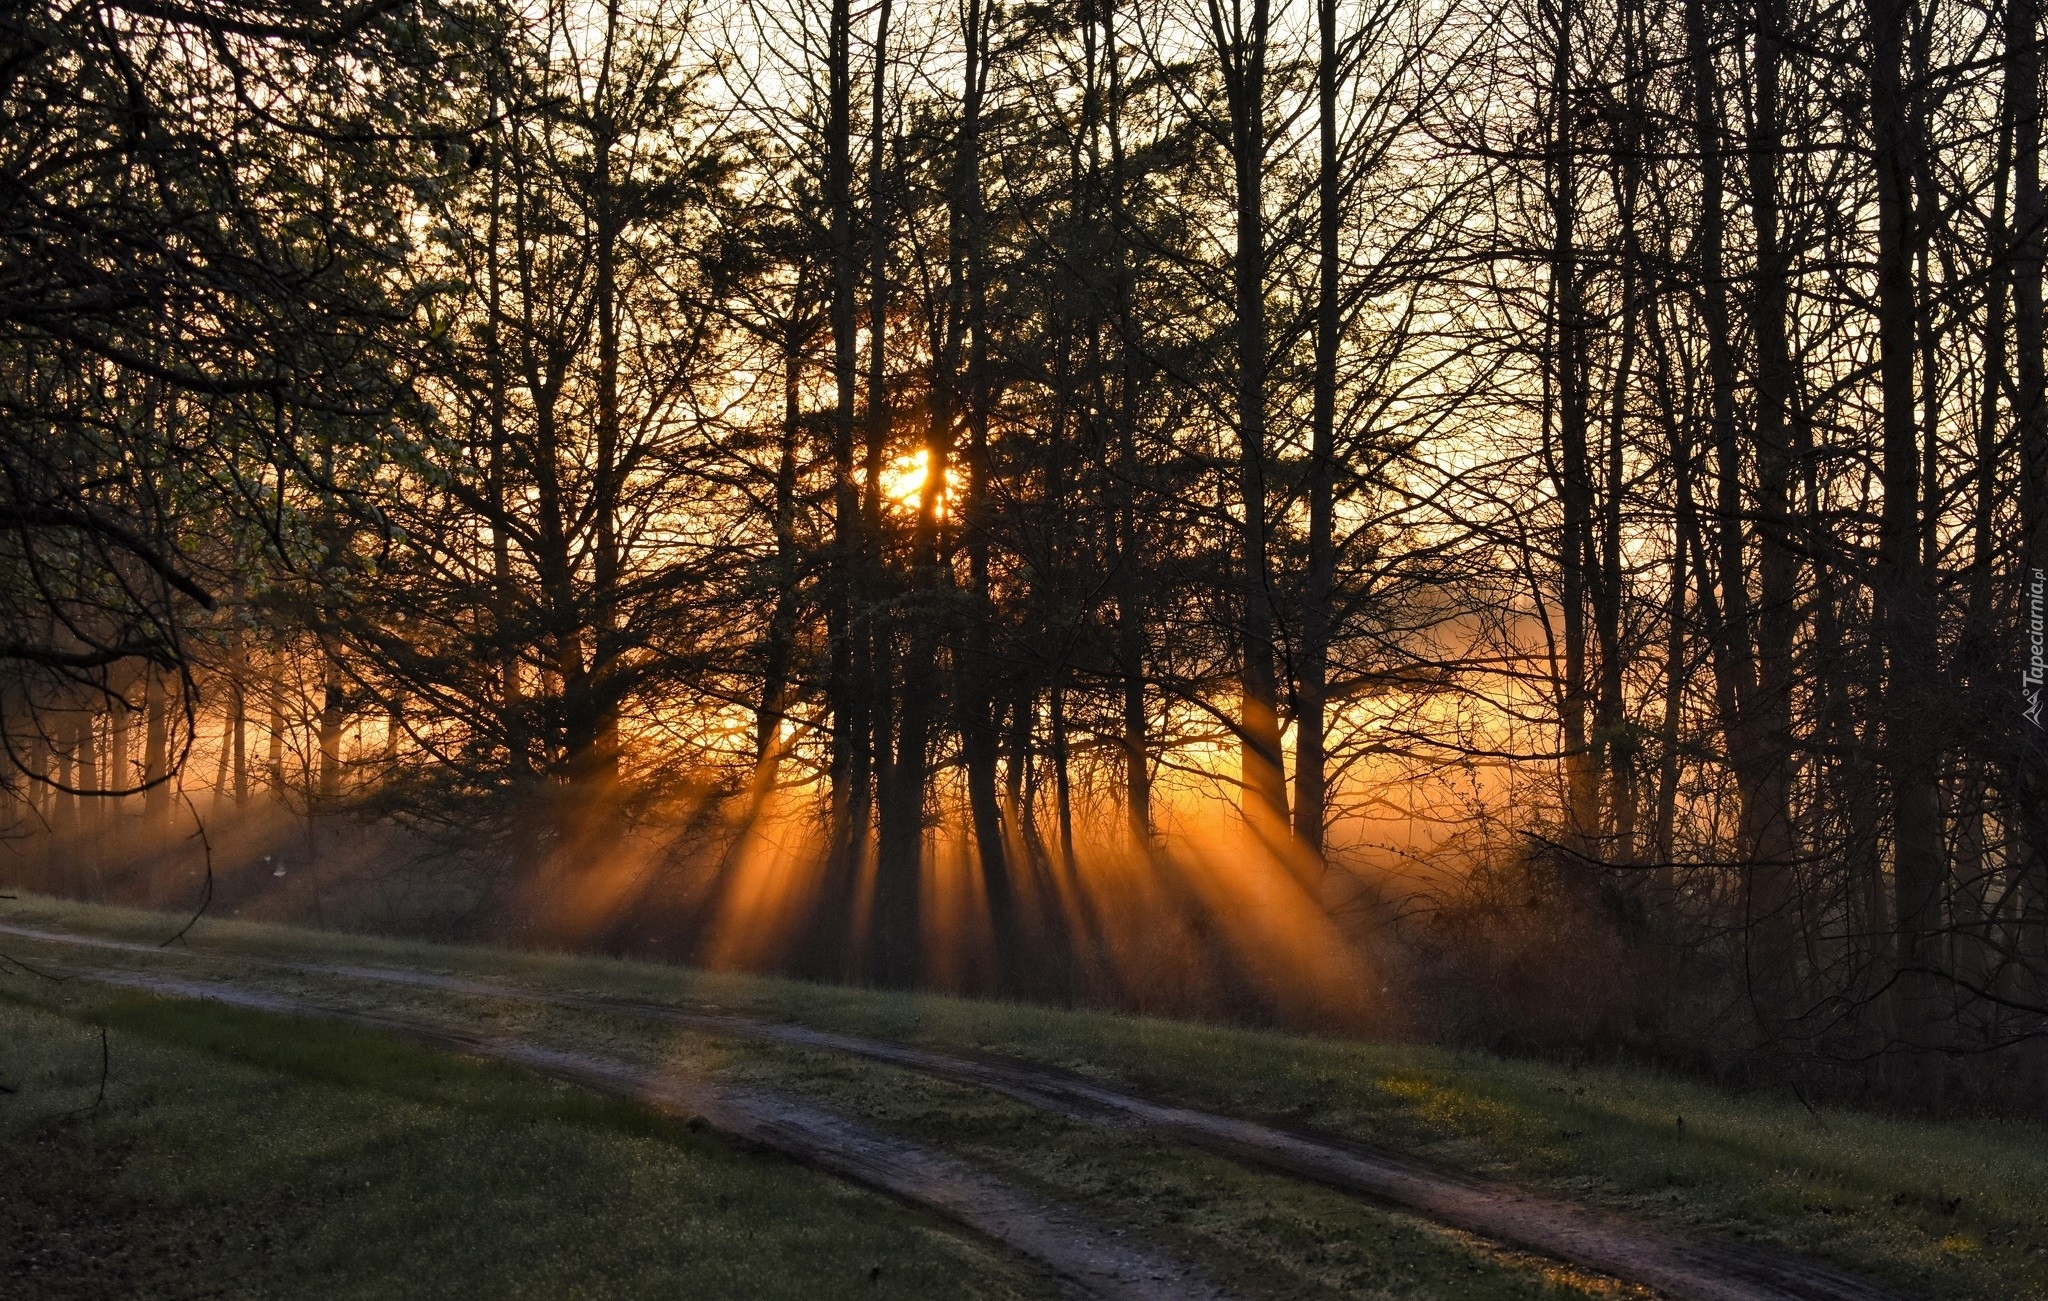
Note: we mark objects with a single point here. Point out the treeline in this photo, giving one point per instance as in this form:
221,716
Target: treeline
1575,471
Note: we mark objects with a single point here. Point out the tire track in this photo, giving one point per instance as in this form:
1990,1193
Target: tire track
1679,1267
1083,1256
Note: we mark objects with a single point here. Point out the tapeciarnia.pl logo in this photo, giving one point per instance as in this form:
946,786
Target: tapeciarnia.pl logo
2037,647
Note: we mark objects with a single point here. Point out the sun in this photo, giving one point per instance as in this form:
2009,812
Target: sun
903,483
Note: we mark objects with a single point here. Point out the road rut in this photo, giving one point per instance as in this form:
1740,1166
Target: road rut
1676,1266
1089,1260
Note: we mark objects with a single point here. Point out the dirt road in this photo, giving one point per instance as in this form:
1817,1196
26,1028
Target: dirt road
1674,1266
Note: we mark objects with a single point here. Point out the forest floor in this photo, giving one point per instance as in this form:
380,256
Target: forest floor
239,1152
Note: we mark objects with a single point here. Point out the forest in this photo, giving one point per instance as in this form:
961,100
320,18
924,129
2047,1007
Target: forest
1514,523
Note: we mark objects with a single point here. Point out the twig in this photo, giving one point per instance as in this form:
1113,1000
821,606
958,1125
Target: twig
1808,1105
13,961
205,900
101,1096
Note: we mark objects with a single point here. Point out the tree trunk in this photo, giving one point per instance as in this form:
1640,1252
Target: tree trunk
1903,583
1311,782
599,770
1614,742
773,710
1243,52
1575,484
974,655
2027,767
873,762
90,812
64,801
1063,786
849,715
120,768
238,719
275,743
225,759
1762,743
156,757
1677,667
1130,585
333,712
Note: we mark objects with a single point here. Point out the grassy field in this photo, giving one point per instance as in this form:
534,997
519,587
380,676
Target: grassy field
1958,1209
242,1155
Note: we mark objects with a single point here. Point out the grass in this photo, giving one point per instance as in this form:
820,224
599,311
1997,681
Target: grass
1957,1209
1257,1233
243,1155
